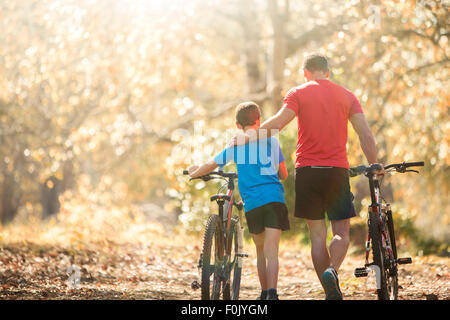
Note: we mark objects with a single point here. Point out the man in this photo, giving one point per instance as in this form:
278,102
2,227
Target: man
323,110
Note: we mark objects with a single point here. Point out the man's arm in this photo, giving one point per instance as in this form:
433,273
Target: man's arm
269,128
198,171
366,139
279,120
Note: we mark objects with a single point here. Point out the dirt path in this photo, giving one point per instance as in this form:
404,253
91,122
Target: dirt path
165,270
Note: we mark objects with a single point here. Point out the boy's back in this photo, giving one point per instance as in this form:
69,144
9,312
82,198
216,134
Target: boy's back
257,165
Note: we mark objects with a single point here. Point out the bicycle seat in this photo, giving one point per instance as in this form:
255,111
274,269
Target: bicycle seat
220,196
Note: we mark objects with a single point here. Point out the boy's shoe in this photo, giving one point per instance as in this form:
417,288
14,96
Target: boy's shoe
272,294
272,297
331,284
263,295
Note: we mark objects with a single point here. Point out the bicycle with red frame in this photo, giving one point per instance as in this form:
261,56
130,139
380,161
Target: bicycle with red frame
221,257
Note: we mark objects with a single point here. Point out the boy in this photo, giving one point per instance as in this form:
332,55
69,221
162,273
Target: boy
260,167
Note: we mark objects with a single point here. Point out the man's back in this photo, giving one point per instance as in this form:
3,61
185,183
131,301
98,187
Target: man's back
323,109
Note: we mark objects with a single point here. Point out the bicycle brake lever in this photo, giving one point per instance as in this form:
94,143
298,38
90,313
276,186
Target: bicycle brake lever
412,171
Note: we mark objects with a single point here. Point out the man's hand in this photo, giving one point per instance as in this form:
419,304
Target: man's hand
269,128
382,172
239,139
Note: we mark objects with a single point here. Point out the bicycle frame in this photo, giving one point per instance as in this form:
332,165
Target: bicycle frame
378,207
225,216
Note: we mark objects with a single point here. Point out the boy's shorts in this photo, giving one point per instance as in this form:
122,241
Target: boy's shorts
323,189
271,215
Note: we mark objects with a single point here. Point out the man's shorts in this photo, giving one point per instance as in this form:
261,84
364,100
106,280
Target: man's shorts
271,215
323,189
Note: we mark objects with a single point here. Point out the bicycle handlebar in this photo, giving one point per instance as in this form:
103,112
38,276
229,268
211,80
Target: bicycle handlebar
405,165
399,167
209,176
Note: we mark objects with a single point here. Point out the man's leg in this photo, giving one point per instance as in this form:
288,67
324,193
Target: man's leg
261,265
319,250
271,244
339,244
338,250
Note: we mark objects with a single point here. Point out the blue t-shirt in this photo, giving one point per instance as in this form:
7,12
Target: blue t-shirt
257,165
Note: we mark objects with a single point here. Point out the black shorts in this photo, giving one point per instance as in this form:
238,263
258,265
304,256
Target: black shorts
271,215
323,189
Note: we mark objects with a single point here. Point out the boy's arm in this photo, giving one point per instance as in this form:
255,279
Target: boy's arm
282,171
198,171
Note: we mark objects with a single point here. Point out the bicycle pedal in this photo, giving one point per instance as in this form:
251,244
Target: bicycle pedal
404,260
242,255
361,272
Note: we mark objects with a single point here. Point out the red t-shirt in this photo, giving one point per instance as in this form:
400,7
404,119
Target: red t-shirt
323,109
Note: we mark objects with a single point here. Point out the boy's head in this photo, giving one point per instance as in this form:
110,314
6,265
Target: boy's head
248,114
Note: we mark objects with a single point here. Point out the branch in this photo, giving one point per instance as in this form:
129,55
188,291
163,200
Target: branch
185,123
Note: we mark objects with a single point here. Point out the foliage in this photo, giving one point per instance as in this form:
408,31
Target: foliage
125,95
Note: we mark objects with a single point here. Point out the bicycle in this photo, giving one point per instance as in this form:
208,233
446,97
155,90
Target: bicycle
381,235
221,258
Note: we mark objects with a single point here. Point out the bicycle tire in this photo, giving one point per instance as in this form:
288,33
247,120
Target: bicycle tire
378,254
233,282
213,239
392,270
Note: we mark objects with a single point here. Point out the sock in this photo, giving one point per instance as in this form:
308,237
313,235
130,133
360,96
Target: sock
263,294
272,292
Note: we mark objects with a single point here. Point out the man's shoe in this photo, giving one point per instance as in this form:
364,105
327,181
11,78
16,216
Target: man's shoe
331,284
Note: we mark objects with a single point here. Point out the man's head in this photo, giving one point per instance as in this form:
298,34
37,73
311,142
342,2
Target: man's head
248,115
315,66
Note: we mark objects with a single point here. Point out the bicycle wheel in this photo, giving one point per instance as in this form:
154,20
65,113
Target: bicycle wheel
213,253
234,268
392,279
378,255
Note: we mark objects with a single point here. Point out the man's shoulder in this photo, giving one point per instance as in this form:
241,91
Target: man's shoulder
341,87
303,86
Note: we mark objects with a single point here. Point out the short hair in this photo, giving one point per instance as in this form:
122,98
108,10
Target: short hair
247,113
316,62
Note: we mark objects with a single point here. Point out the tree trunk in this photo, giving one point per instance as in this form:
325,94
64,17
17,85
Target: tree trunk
252,50
53,187
279,17
9,203
50,191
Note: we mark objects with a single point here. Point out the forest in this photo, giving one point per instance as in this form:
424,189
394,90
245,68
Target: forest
104,103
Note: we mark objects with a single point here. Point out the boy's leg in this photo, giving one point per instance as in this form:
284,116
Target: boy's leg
258,239
319,250
271,244
339,244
